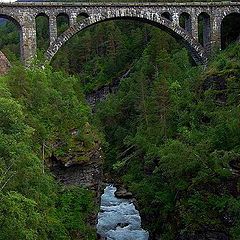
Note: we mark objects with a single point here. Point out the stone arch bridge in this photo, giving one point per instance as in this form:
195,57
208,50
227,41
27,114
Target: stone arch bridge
181,20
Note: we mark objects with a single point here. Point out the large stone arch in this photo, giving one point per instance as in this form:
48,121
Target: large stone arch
197,52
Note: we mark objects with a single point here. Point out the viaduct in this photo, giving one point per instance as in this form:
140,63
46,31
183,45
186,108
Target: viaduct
165,16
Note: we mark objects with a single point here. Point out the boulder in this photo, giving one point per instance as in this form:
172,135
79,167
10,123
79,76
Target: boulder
123,193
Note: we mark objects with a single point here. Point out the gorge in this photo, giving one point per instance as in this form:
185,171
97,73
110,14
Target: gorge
165,133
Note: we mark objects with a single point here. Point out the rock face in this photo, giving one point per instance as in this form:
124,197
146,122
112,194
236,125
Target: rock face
99,95
102,93
4,64
79,165
86,174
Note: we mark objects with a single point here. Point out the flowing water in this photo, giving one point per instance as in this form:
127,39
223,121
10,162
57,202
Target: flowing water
118,218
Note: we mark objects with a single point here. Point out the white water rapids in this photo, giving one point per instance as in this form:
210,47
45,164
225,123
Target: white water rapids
118,218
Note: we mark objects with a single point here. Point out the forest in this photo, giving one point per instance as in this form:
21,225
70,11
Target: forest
170,133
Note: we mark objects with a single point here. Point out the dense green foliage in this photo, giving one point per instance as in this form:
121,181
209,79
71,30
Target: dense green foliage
42,93
31,205
175,134
9,41
74,207
106,50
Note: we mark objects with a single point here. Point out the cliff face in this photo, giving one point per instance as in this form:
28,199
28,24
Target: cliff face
87,173
79,164
4,64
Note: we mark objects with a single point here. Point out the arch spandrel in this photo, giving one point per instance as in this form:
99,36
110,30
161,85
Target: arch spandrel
196,50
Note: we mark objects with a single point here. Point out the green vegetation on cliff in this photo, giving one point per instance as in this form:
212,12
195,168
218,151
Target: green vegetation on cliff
37,108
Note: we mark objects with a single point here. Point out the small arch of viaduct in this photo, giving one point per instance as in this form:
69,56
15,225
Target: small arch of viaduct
163,15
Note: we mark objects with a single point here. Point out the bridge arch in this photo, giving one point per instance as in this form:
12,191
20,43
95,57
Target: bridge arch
42,38
185,21
81,16
204,29
196,50
63,22
167,15
230,32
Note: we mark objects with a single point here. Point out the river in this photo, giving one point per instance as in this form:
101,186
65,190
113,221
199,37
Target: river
118,218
